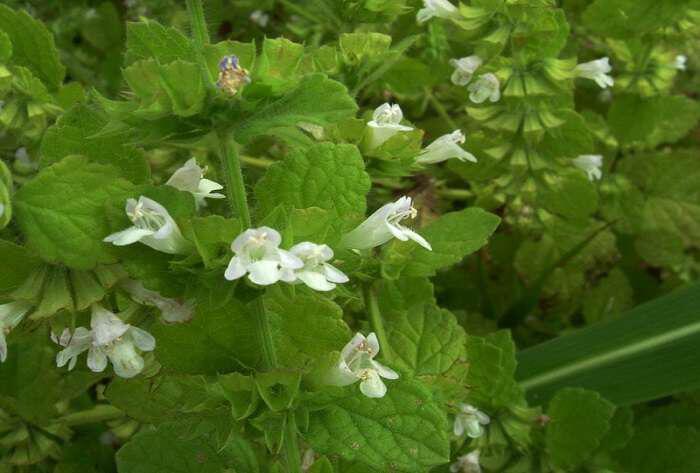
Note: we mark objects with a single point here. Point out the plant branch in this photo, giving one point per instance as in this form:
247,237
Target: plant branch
198,22
440,109
235,186
370,296
291,445
99,413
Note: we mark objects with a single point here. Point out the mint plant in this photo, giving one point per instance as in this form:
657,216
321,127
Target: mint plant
349,236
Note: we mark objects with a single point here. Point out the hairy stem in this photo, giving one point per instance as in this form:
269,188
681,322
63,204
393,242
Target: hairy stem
440,109
198,23
238,200
375,318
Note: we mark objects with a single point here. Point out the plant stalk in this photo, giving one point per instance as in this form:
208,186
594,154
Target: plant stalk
238,200
97,414
198,23
375,317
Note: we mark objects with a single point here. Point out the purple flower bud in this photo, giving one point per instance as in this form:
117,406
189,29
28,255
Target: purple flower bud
228,63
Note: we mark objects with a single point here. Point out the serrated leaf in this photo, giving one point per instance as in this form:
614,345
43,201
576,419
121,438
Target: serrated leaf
32,46
424,339
578,422
405,430
174,447
327,176
72,134
305,327
18,263
185,87
571,195
300,105
492,370
278,64
149,39
631,18
452,236
62,211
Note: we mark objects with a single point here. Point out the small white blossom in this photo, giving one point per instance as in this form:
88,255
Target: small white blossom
444,148
383,225
464,69
468,463
679,62
485,87
110,339
591,164
190,178
316,272
596,70
436,9
385,123
153,226
11,314
172,311
357,364
260,18
257,254
470,420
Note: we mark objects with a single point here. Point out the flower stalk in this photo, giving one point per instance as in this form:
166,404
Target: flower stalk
375,317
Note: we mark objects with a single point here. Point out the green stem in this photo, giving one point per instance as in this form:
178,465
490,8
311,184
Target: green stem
291,453
238,200
440,109
95,415
231,164
375,318
198,23
455,194
200,35
262,163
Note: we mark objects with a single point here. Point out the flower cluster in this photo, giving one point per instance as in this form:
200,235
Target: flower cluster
232,77
257,254
470,420
485,87
109,339
357,363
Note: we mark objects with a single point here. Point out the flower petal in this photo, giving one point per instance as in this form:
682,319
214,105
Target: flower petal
373,386
264,272
235,269
97,360
128,236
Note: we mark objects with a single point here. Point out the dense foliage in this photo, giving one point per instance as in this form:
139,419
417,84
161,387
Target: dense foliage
336,236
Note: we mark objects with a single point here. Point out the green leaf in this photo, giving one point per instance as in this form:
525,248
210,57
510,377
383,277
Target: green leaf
72,134
327,176
220,338
32,46
405,430
62,211
185,87
424,339
306,326
18,263
671,449
452,236
212,236
357,47
578,422
30,383
612,295
149,39
648,353
571,195
174,447
631,18
215,52
278,64
156,400
491,370
300,105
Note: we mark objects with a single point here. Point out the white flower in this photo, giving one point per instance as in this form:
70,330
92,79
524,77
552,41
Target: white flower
467,463
385,123
470,420
679,62
316,272
153,226
308,459
438,9
11,314
260,18
485,87
109,340
357,364
591,164
444,148
172,311
383,225
596,70
464,69
189,178
258,255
